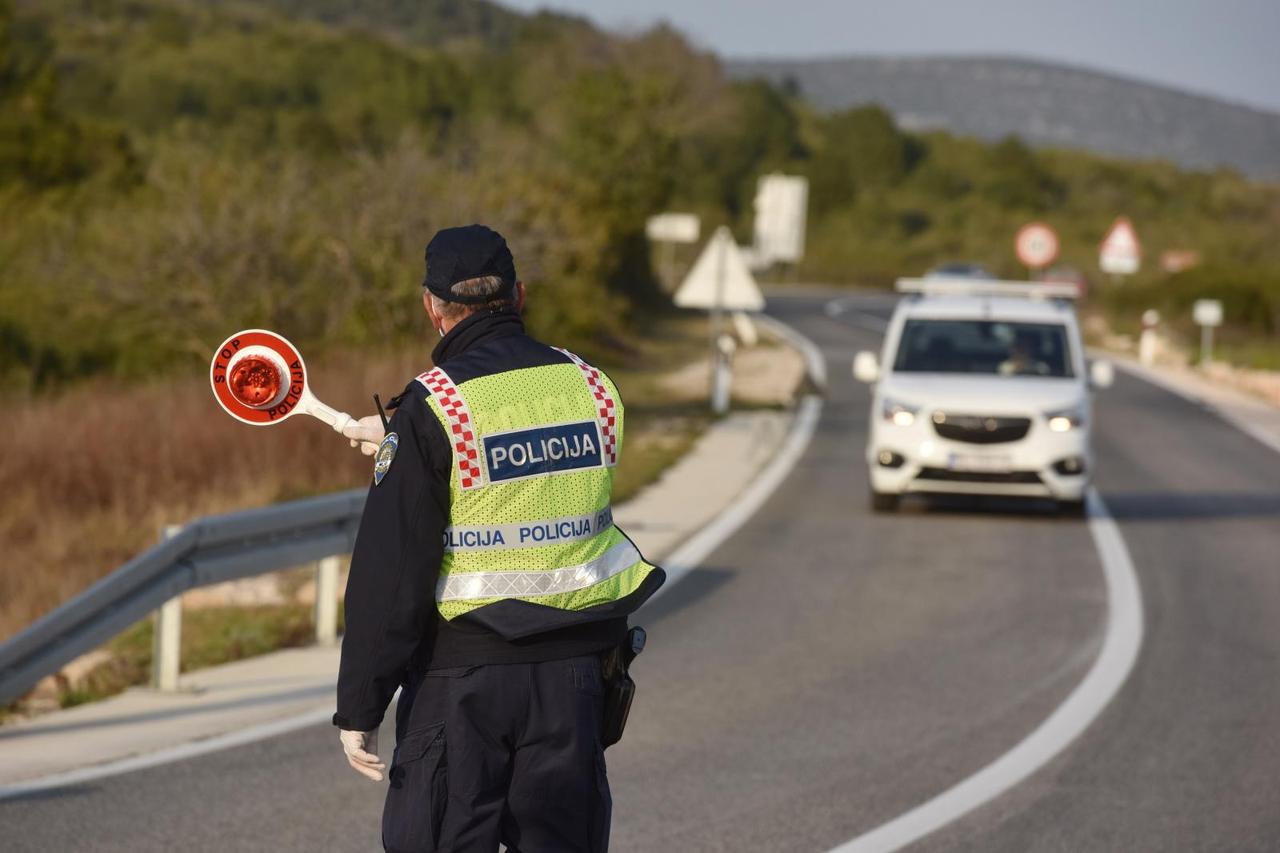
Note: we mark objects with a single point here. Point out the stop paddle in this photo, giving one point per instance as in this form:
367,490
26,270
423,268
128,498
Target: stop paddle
259,378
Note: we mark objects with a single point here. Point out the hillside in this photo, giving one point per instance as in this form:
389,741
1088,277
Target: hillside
428,23
1044,104
170,169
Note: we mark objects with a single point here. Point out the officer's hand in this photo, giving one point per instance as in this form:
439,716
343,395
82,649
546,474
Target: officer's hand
365,434
362,753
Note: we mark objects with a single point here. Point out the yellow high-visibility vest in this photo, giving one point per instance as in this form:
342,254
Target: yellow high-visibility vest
534,451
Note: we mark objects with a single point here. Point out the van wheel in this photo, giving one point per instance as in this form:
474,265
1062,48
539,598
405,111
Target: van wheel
1072,509
884,501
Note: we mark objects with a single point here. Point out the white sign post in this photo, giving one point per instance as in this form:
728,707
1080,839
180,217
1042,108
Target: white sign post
1208,314
669,229
1120,252
1148,342
781,206
1036,245
720,281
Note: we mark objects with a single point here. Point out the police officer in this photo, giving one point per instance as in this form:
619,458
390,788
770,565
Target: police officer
488,578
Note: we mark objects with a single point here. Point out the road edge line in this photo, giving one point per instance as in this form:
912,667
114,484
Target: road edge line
170,754
690,553
1152,377
1110,671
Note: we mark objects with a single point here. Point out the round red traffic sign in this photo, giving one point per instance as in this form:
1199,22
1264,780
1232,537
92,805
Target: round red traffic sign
258,377
1036,245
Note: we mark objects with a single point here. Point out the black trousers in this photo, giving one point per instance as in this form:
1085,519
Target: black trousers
504,753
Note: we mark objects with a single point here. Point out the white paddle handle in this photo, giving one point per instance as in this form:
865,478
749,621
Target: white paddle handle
311,406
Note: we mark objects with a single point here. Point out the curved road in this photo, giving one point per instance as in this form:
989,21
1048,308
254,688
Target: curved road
826,670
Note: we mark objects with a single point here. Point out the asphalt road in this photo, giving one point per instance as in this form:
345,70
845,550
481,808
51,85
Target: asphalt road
828,669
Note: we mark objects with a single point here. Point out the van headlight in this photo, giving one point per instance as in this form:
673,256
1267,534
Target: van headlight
897,412
1066,420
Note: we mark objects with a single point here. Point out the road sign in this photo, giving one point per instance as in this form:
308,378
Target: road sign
1120,253
720,279
673,228
781,204
1178,260
1207,312
1036,245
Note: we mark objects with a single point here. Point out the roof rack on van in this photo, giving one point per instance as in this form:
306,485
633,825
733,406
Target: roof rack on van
984,287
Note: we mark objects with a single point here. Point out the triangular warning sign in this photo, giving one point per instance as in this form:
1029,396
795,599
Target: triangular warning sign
1121,238
720,278
1120,253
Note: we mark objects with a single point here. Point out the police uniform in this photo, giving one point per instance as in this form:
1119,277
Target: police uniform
487,580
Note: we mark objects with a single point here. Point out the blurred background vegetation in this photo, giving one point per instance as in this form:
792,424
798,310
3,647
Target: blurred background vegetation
171,171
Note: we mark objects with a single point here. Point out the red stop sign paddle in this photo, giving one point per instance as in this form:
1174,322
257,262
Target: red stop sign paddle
259,378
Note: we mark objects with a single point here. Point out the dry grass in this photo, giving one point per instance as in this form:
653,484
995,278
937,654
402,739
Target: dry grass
88,479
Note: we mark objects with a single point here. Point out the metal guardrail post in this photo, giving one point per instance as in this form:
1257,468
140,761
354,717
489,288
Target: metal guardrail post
166,648
326,613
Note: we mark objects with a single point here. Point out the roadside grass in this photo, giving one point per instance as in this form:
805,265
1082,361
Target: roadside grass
210,636
89,479
1233,344
1254,353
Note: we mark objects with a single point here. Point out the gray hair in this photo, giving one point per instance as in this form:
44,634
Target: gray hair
488,285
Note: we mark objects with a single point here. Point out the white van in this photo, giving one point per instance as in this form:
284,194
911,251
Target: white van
981,388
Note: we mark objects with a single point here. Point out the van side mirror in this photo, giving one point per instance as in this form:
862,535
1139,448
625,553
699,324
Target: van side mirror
866,367
1102,374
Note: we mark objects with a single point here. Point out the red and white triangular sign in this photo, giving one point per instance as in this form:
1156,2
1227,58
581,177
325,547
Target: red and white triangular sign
1120,253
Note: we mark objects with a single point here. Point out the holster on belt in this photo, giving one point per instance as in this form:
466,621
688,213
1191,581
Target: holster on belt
619,687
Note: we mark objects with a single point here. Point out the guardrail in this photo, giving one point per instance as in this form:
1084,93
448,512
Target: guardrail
209,550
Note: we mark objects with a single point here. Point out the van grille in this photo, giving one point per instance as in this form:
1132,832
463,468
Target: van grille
1009,477
980,429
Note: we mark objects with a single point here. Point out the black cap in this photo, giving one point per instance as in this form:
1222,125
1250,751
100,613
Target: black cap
471,251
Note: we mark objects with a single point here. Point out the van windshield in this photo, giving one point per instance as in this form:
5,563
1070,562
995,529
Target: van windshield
993,347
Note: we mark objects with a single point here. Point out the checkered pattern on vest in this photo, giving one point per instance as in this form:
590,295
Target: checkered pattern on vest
461,427
606,408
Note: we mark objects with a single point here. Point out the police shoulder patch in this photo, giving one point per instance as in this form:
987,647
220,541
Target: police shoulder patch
383,458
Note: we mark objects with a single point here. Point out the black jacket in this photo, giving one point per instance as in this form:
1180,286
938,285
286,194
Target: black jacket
392,625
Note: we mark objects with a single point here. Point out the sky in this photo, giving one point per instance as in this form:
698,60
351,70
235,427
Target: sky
1226,48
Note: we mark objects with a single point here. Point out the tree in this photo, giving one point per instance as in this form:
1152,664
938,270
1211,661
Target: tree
861,149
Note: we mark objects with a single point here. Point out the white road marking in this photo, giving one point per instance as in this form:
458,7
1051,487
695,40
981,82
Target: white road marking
839,307
175,753
1153,377
699,546
814,362
681,561
1114,663
1068,721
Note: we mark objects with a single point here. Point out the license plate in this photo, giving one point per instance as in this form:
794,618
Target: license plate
984,464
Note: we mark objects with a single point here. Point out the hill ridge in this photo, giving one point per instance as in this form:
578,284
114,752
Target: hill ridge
1046,103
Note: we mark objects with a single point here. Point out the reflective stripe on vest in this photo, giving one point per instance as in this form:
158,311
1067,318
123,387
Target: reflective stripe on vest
522,534
524,583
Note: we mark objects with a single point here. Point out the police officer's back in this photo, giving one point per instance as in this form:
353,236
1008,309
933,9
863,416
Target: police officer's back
488,579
